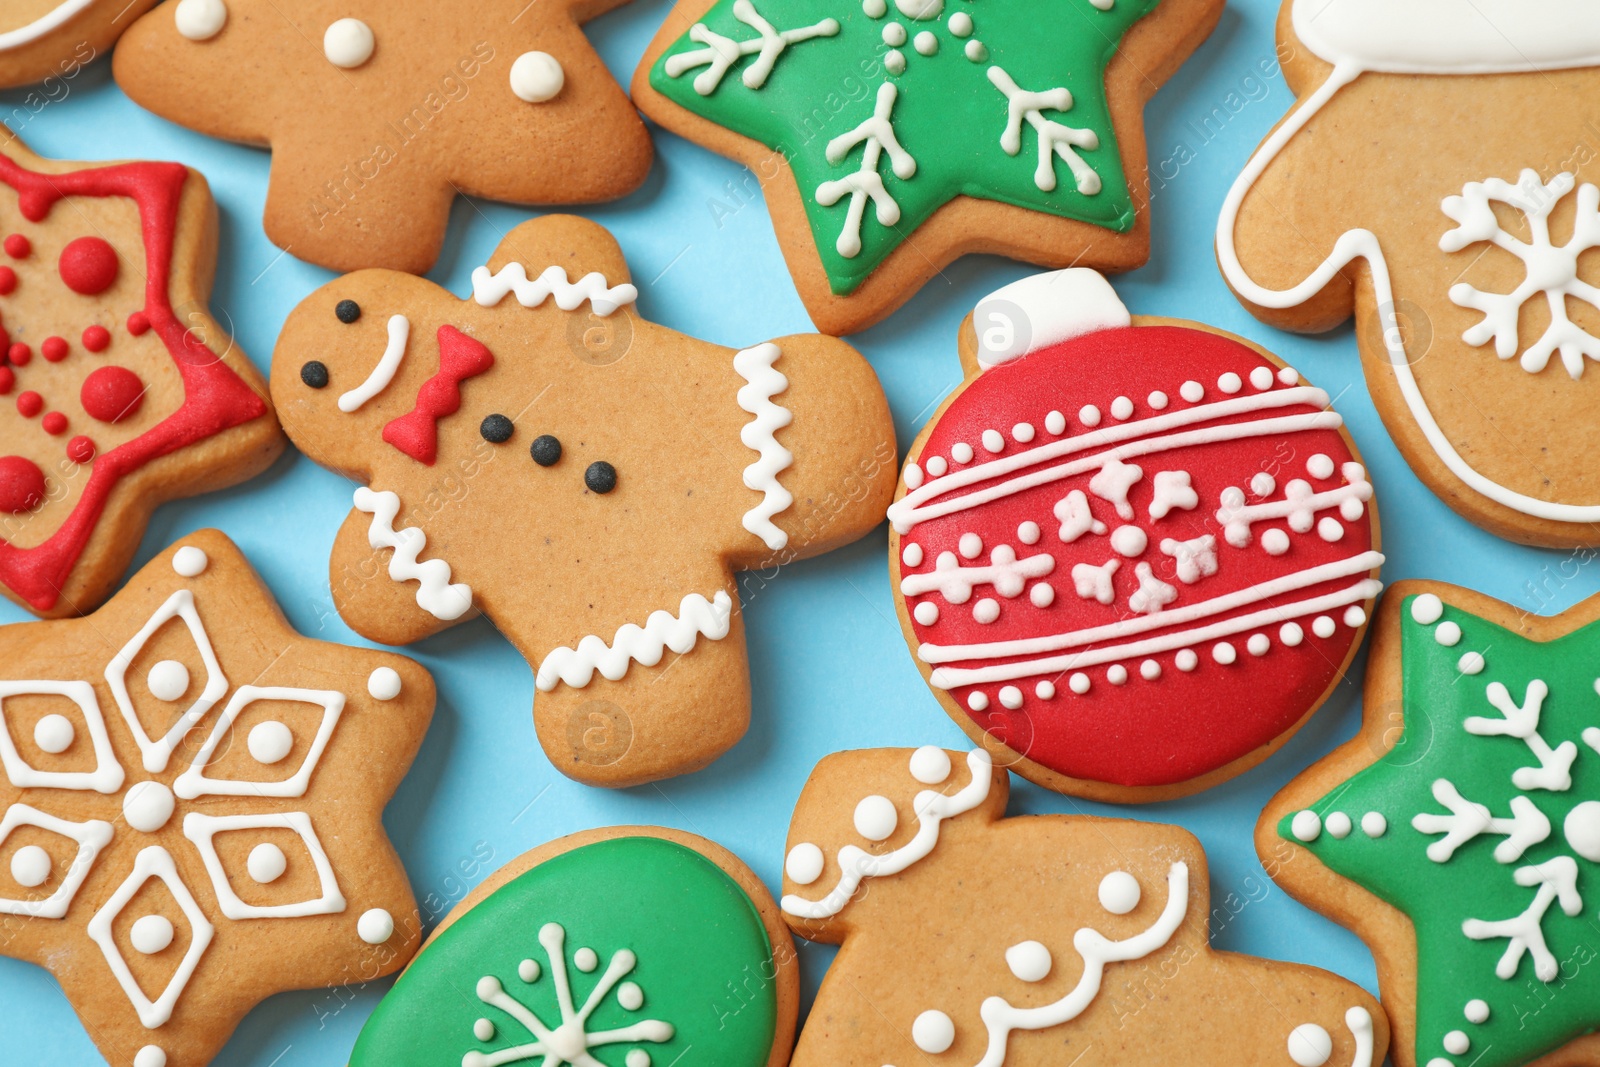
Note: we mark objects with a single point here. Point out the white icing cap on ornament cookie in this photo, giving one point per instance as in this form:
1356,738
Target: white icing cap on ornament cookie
1451,36
1044,310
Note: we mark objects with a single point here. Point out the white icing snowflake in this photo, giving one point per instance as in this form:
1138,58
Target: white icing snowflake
1054,138
876,134
1551,269
720,52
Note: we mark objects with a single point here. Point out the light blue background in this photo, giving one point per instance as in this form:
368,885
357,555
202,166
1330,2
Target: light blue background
830,669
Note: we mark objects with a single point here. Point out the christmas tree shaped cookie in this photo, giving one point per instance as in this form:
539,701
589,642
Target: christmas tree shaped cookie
970,938
1459,833
893,137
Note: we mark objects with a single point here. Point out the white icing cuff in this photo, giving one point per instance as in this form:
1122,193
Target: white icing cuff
1451,36
1044,310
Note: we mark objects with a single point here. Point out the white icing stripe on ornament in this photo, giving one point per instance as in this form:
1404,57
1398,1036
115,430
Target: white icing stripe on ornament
435,593
107,776
156,752
755,366
152,862
384,372
952,677
697,617
1061,305
913,508
1451,36
202,829
53,19
91,836
722,52
1188,613
932,809
1351,246
954,582
194,782
489,289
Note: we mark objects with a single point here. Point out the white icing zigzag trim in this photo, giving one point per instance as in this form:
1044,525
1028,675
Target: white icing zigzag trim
489,289
755,366
697,617
435,594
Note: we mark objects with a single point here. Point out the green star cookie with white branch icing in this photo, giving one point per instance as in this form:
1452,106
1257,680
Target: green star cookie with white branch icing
970,938
1459,833
892,137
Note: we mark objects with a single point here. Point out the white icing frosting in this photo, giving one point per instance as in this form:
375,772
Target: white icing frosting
53,19
436,594
157,751
383,684
202,830
489,289
348,43
91,836
384,372
697,617
1055,306
536,77
200,20
755,366
190,562
152,862
194,782
1451,36
375,926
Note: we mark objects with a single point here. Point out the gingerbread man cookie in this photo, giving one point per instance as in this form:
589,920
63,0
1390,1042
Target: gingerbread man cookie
1137,559
41,38
622,947
891,138
190,810
379,113
589,480
1459,833
118,390
970,938
1467,261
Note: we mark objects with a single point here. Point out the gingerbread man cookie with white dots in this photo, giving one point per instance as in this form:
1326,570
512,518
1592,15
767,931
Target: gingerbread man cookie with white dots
190,806
379,113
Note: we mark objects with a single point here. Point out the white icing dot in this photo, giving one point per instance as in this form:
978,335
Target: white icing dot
383,684
978,702
1157,400
1042,595
1258,644
1029,961
913,476
1089,415
200,20
1149,670
1223,653
1339,825
1116,674
150,1056
528,970
636,1057
1289,376
266,863
1078,683
54,733
876,817
1309,1044
976,52
1028,533
586,959
1351,508
30,866
1477,1011
1457,1043
920,10
1121,408
1319,466
894,34
874,8
630,996
168,680
151,934
483,1030
1373,824
960,24
1186,660
1261,377
1330,529
147,806
1426,609
1192,391
1230,383
1323,626
933,1032
930,764
1274,542
1447,634
993,441
348,43
986,610
936,466
911,554
961,452
375,926
1010,697
1119,892
895,61
1290,634
270,741
1262,483
1055,422
1355,615
1306,826
1045,690
1582,830
804,863
926,43
1129,540
926,613
970,545
1023,432
537,77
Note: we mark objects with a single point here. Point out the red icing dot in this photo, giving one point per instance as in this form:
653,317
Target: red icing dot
88,265
54,349
19,354
8,281
8,378
54,423
96,338
21,484
80,449
18,246
111,394
138,324
29,404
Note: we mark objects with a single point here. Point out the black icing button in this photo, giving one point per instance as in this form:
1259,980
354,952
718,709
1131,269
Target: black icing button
348,311
315,374
601,477
545,450
496,429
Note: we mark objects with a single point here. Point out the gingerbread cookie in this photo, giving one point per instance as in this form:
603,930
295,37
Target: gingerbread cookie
1467,262
192,801
622,947
118,390
1138,559
1459,833
379,113
44,38
972,938
891,138
589,480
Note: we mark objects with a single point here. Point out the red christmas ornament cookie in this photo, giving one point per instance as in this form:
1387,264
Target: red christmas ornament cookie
130,402
1134,554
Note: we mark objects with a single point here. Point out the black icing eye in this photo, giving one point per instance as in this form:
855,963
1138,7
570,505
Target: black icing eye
348,311
314,374
545,450
601,477
496,429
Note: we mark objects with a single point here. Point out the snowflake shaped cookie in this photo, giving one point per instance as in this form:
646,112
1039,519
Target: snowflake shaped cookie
898,136
1475,828
380,114
190,806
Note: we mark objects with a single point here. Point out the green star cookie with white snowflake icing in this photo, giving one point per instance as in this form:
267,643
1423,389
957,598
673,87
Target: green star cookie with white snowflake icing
906,124
1469,807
